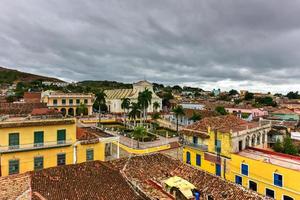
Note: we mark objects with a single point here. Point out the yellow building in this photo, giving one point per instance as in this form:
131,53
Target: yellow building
273,174
38,142
68,103
225,145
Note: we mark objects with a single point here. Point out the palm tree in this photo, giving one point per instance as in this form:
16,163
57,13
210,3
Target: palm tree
125,105
139,133
156,106
196,116
100,100
134,112
144,100
178,110
82,109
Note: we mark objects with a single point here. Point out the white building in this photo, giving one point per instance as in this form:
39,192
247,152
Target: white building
114,97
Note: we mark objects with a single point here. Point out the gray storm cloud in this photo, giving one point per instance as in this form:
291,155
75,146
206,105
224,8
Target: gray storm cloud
211,43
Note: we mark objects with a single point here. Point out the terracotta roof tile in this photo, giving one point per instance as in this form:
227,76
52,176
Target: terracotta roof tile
222,123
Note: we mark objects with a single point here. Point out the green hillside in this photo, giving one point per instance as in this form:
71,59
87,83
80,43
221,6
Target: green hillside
10,75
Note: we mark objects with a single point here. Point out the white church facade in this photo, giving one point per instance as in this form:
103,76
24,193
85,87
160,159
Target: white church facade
114,97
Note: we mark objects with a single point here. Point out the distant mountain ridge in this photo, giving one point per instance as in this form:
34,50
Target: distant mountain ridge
11,75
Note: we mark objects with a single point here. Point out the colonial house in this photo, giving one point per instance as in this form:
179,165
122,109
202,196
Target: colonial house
114,97
247,112
68,103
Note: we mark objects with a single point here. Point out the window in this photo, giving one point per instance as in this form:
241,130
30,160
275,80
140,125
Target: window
198,160
195,140
38,163
55,101
71,101
14,140
14,167
218,146
244,168
61,136
278,180
38,138
253,186
209,197
188,157
85,101
61,159
77,101
285,197
89,154
239,180
218,170
63,101
270,193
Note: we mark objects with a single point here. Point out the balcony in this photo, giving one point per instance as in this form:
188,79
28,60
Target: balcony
35,146
201,147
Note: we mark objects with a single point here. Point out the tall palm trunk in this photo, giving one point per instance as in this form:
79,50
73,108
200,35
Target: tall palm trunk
124,118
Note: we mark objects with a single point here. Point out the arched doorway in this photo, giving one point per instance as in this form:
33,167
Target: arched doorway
247,141
258,139
63,111
71,111
253,140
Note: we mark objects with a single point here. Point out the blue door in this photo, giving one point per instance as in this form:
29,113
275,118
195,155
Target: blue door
218,170
188,157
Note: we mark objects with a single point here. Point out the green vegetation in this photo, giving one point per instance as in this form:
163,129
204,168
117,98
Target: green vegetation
286,146
125,105
221,110
104,85
233,92
178,110
144,100
9,76
196,117
293,95
139,133
265,101
249,96
82,109
99,103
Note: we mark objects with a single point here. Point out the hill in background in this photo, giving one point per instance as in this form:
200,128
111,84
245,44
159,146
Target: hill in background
10,75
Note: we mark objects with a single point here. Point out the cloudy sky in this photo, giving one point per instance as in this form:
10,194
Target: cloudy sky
209,43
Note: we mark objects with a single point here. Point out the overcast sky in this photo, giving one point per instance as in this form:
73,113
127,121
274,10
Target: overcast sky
207,43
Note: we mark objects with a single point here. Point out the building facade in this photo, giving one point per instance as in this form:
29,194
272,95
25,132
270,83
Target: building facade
235,151
40,142
68,103
114,97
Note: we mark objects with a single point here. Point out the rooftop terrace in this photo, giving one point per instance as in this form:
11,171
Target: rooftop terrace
13,122
279,159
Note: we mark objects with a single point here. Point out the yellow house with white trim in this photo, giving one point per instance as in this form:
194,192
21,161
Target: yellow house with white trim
38,142
225,145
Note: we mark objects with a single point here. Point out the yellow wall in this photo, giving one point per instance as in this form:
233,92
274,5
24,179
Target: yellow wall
225,142
99,152
26,159
262,173
26,134
205,165
259,171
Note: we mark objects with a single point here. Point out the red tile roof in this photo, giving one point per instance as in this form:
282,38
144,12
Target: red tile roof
19,108
12,187
222,123
44,111
121,179
90,180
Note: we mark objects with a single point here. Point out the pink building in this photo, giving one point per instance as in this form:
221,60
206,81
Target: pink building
255,112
